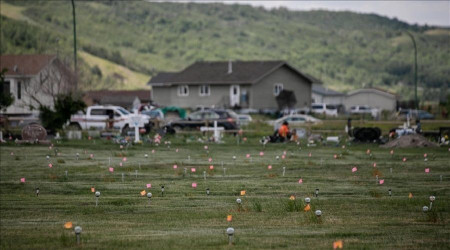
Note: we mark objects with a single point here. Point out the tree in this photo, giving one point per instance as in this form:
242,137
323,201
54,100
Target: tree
6,98
65,106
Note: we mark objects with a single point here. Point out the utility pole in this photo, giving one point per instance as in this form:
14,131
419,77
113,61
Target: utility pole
416,102
75,44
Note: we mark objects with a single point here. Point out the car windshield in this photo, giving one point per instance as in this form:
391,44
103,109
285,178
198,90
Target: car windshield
332,107
316,106
123,111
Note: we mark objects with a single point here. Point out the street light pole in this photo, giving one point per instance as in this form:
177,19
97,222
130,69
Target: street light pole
75,43
415,70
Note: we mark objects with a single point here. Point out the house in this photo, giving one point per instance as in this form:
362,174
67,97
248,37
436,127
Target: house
372,97
128,99
321,94
34,80
245,84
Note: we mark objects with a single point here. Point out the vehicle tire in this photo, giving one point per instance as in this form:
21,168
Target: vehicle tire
74,126
125,130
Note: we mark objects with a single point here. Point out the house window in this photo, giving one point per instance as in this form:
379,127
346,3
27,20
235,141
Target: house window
183,90
277,89
204,90
5,88
19,90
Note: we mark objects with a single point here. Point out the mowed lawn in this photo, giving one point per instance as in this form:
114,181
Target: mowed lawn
355,207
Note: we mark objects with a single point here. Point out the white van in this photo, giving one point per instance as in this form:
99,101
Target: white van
324,109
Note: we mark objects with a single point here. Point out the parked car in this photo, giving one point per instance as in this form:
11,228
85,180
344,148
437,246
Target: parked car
244,120
199,119
294,121
364,110
414,114
324,109
98,117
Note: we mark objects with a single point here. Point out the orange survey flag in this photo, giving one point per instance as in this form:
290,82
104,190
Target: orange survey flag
243,192
229,218
338,244
307,208
410,195
143,192
68,225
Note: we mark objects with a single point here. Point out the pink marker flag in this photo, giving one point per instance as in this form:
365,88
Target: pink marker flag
210,159
425,155
211,167
404,159
205,147
300,181
335,156
12,153
381,182
153,151
309,154
283,156
193,170
247,155
354,169
120,164
176,150
194,184
111,170
261,153
392,152
149,185
175,166
427,170
269,167
284,152
50,165
22,180
92,156
124,159
374,164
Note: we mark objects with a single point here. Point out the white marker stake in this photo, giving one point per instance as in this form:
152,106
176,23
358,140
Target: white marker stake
224,171
204,175
440,177
109,162
78,230
139,166
189,158
123,175
78,156
230,232
284,171
136,172
136,126
185,171
432,198
390,170
66,173
97,194
376,177
149,196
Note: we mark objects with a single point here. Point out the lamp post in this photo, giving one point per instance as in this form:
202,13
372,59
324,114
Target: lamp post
415,69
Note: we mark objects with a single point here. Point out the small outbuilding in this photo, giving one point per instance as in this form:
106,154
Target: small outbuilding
372,97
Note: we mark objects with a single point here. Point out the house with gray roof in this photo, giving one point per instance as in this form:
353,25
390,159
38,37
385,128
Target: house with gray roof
321,94
245,84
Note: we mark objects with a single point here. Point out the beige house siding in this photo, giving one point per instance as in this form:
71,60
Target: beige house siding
263,91
372,98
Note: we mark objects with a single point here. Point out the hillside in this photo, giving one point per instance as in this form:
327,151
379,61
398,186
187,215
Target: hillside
344,49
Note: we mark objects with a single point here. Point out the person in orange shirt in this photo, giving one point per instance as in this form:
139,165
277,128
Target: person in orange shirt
283,131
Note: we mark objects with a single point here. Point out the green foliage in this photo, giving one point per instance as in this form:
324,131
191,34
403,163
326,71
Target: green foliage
65,106
6,99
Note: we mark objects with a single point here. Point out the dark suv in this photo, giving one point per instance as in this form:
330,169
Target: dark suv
203,118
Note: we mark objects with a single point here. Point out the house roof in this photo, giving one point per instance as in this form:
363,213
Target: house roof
321,90
124,101
217,73
98,95
21,65
373,90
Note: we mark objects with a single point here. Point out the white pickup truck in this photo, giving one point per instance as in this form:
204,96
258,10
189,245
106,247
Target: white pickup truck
99,117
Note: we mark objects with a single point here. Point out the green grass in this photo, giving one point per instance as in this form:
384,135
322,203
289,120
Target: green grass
355,209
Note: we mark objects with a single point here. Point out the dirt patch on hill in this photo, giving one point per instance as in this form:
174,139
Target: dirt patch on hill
410,141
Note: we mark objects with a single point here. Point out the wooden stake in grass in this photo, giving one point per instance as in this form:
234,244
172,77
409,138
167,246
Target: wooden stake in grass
149,196
97,194
230,232
78,230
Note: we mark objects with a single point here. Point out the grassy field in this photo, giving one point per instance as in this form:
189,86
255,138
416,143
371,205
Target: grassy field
356,209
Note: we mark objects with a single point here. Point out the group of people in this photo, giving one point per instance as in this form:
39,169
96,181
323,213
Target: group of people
284,134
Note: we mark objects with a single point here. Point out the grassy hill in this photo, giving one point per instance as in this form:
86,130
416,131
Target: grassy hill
344,49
